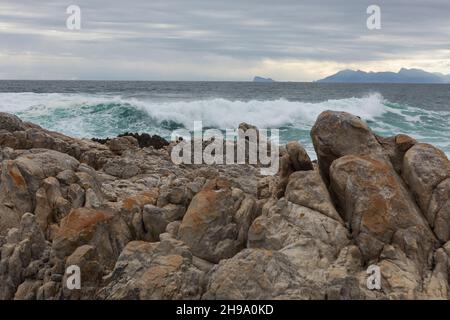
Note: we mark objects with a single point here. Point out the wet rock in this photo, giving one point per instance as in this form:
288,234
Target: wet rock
145,140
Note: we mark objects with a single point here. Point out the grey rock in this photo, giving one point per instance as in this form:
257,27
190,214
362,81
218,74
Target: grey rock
255,274
379,209
336,134
211,227
427,172
159,270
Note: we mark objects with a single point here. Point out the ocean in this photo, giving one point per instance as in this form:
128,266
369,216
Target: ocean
103,109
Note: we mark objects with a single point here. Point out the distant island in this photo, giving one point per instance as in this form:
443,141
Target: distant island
261,79
403,76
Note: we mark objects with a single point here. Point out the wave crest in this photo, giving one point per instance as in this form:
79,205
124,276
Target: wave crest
217,113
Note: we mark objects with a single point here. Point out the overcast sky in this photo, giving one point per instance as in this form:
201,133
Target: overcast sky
219,40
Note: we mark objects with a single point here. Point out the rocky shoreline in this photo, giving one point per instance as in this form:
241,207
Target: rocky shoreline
140,227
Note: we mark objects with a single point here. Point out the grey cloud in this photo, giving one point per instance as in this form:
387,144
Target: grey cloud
195,32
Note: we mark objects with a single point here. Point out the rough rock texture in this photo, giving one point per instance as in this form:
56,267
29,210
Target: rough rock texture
107,232
21,135
259,274
336,134
158,270
24,250
378,208
395,148
299,159
304,226
216,223
293,157
91,268
427,172
140,227
120,144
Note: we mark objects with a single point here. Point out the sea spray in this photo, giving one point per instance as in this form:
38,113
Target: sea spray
106,115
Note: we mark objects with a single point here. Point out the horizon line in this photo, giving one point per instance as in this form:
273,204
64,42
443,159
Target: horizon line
245,81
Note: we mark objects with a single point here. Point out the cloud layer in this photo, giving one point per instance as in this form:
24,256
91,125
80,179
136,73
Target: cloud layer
219,40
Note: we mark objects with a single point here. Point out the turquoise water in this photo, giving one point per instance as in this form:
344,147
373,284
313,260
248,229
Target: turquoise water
99,110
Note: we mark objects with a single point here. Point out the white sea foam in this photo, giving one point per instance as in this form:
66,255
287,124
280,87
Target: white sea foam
74,115
219,113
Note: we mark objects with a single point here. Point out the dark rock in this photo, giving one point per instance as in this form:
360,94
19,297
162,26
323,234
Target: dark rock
144,140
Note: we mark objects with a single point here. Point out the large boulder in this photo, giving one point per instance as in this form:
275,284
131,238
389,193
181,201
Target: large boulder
25,182
305,227
216,223
402,279
45,163
379,209
427,173
336,134
255,274
16,134
157,270
299,159
104,230
307,189
310,239
11,123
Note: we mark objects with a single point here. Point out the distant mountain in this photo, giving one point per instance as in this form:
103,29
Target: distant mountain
443,76
261,79
403,76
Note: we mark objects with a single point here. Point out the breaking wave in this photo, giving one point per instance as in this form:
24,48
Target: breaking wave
83,115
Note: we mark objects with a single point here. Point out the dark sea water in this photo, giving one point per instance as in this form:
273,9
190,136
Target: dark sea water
107,108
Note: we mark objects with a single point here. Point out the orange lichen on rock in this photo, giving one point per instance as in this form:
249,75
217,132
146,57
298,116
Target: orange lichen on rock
140,200
15,174
82,219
